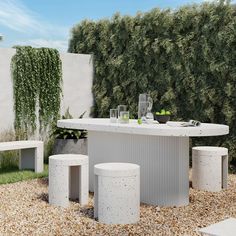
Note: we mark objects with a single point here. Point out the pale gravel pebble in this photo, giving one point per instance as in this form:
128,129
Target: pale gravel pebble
24,210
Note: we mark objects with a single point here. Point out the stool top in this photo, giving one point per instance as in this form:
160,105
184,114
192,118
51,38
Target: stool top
116,169
68,159
225,227
206,150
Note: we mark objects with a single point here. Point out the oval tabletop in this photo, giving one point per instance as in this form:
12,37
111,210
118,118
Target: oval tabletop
170,129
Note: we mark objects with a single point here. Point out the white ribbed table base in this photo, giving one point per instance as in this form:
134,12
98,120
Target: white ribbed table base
164,163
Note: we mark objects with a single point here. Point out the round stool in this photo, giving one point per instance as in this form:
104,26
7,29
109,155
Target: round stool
209,168
68,178
117,193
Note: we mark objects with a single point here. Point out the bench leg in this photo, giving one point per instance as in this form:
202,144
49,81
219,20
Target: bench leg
39,159
32,158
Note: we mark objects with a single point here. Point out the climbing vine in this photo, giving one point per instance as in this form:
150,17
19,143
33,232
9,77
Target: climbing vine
49,86
37,77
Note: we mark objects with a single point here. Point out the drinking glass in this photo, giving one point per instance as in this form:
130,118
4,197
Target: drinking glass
124,117
142,105
149,115
120,109
113,115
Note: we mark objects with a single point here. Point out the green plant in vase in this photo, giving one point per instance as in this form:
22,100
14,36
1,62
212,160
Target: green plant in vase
69,140
62,133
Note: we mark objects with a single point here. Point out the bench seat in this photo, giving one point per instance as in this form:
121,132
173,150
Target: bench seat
31,153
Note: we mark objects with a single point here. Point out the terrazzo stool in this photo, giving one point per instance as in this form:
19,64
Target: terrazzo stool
222,228
209,168
117,193
68,178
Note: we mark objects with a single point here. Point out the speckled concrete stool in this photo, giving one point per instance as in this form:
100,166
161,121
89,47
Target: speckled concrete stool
117,193
223,228
209,168
68,178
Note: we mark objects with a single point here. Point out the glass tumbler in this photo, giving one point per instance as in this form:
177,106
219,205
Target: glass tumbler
124,117
120,109
113,115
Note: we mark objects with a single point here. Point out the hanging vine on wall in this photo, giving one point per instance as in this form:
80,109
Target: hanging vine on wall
37,77
49,86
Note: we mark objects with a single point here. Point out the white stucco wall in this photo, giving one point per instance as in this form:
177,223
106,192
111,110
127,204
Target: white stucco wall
6,90
77,72
77,83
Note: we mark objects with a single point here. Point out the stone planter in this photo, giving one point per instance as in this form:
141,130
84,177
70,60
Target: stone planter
70,146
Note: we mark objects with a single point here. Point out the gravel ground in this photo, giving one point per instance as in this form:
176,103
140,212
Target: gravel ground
24,211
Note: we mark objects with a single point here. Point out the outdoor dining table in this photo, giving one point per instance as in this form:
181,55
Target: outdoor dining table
161,150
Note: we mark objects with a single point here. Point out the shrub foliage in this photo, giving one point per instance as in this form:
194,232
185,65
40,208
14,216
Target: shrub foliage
37,77
185,59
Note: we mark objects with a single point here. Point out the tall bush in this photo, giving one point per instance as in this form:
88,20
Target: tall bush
185,59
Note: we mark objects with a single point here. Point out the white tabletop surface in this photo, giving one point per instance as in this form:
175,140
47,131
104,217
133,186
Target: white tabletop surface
102,124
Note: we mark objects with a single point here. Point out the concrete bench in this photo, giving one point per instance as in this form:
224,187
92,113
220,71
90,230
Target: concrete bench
31,153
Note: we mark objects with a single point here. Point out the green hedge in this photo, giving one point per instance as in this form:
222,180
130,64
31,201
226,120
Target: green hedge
186,60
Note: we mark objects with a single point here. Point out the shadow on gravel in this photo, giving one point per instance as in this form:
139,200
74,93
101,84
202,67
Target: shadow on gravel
43,197
87,212
43,181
